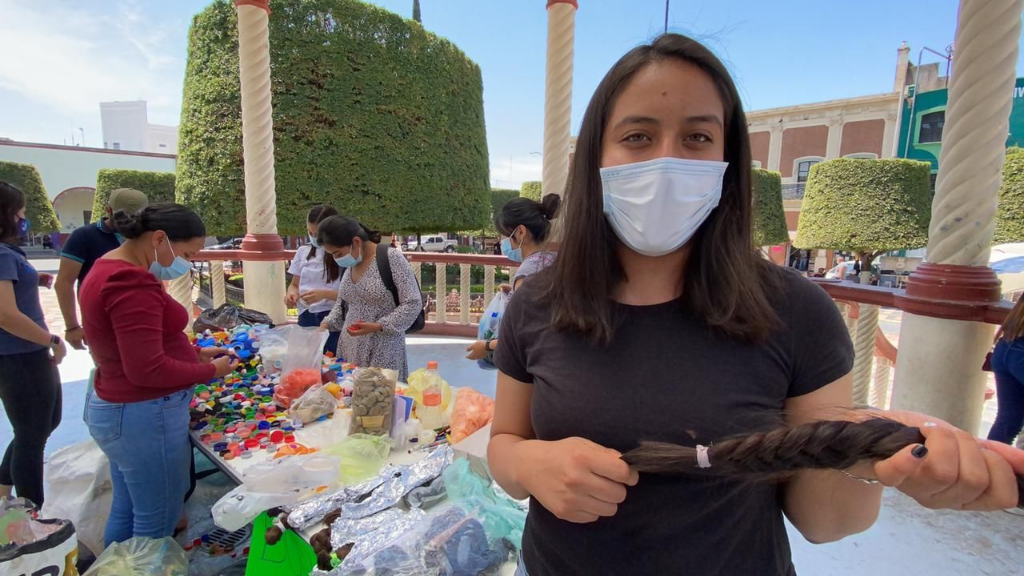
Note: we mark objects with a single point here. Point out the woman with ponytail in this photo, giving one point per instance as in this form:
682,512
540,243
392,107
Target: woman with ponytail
659,321
525,225
146,368
372,320
315,278
1008,366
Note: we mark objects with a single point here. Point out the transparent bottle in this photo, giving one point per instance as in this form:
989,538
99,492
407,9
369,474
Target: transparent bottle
430,413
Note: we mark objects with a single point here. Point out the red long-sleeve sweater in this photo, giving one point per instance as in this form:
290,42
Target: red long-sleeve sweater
135,333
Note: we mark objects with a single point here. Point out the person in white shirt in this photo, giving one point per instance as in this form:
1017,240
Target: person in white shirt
315,278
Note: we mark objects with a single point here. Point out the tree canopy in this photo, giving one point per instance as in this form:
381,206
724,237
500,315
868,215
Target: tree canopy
372,114
157,186
38,208
1010,217
531,190
769,215
866,206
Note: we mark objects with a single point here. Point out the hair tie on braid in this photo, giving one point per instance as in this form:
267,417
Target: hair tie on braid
776,455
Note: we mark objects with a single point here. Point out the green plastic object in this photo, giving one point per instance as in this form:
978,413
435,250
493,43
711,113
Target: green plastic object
291,556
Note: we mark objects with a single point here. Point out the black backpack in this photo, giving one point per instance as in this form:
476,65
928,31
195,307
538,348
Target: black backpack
384,267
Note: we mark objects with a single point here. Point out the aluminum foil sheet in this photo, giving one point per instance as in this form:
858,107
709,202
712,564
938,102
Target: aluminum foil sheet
314,510
385,535
408,478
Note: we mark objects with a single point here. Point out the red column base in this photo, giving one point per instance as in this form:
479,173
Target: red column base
263,248
952,292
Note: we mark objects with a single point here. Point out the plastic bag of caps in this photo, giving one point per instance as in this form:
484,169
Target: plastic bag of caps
141,557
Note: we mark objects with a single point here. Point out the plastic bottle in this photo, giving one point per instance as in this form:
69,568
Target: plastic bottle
492,326
429,411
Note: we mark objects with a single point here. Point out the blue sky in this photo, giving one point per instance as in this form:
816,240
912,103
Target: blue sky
62,57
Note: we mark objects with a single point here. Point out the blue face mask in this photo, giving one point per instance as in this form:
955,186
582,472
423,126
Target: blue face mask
176,270
347,261
313,242
23,227
513,254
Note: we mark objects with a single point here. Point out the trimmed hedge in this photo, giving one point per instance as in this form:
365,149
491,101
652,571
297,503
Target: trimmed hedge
770,226
38,208
157,186
866,206
1010,217
531,190
372,114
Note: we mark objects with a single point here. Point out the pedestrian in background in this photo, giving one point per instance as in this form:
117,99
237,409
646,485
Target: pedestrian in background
1008,366
29,355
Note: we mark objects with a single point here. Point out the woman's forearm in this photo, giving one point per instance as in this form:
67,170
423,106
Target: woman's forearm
503,453
24,327
827,505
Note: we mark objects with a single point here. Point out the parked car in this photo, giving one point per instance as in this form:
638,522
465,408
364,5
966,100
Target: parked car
434,243
233,244
833,274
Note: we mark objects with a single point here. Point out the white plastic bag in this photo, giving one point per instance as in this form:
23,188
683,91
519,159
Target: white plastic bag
273,347
277,483
305,349
29,546
80,491
142,557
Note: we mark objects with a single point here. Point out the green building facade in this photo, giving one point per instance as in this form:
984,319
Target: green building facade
924,115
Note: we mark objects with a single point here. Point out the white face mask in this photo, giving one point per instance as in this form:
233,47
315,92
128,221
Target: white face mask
656,206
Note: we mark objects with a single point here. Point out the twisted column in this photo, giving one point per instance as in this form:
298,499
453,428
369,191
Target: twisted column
217,289
864,350
263,263
488,285
441,283
181,290
938,370
558,95
880,388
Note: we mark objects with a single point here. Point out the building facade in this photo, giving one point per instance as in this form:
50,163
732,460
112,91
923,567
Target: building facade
126,127
69,173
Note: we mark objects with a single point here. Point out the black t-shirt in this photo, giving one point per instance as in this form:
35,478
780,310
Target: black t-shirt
666,376
88,244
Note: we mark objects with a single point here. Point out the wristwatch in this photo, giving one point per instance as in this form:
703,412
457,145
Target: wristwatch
487,346
54,341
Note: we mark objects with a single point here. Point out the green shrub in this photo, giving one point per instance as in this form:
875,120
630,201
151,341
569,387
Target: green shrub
866,206
38,208
1010,217
531,190
372,114
466,250
770,226
157,186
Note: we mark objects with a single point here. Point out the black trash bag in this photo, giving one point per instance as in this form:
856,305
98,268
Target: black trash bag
227,317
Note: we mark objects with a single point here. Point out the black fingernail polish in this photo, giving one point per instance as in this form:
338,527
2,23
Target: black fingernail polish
920,451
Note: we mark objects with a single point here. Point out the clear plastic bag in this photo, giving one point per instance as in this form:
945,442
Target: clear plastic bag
472,412
142,557
490,322
80,490
273,347
313,404
418,382
305,349
373,401
362,457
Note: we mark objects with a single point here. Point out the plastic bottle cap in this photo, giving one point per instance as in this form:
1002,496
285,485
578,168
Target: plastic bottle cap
432,365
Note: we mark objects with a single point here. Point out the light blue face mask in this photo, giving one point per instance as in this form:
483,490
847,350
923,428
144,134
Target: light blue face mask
178,268
513,254
347,261
313,241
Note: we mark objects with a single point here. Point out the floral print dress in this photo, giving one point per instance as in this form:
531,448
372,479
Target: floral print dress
369,300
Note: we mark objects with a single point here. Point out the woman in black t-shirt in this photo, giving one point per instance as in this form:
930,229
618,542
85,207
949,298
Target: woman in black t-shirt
659,321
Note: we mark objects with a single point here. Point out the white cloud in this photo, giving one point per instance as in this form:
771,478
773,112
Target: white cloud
71,59
524,168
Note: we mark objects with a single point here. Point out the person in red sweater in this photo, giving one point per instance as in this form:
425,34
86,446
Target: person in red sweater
146,368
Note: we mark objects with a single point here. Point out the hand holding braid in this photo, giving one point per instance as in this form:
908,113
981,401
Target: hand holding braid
778,454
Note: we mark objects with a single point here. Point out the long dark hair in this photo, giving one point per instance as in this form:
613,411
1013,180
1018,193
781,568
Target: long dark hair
1013,326
12,200
318,214
726,283
178,222
535,216
341,230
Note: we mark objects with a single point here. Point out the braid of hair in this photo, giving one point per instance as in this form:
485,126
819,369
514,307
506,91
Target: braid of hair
777,454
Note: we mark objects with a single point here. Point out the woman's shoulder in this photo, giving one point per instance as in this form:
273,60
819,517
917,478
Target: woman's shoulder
793,295
118,275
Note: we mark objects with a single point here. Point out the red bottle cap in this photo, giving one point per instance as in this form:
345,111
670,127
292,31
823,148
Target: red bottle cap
277,436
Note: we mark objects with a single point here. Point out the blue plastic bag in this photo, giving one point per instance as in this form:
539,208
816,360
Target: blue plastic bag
490,322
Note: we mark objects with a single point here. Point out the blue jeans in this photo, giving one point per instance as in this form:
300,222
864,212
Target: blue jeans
149,451
312,319
1008,366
